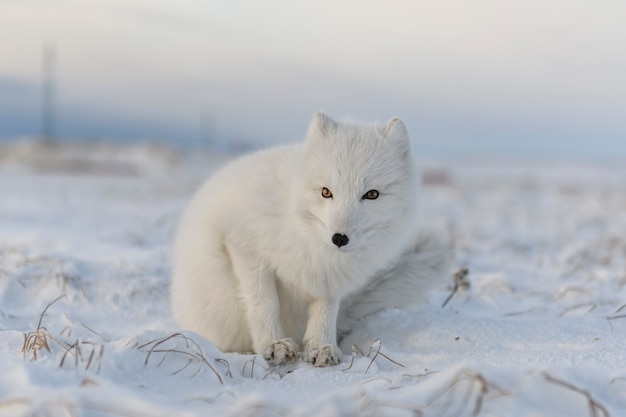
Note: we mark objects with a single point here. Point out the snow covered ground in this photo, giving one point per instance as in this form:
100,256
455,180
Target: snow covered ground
540,331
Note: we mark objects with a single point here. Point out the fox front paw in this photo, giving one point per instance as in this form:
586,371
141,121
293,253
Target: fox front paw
281,351
323,356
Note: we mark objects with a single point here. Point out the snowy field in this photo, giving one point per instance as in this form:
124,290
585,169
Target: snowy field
537,328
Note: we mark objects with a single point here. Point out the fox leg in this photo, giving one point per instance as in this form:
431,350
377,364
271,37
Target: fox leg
262,306
320,338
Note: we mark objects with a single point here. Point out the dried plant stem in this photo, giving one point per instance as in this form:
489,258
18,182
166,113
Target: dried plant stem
243,372
374,348
477,388
590,306
37,340
75,349
460,282
194,354
595,408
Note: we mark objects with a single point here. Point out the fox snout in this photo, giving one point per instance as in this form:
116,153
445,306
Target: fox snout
340,240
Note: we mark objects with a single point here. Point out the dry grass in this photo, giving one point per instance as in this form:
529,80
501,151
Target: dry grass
464,395
595,408
38,340
375,348
461,282
86,353
277,370
192,353
243,371
582,308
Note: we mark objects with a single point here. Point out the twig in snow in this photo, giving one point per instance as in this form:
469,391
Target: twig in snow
37,340
595,408
227,364
460,282
591,306
616,316
476,389
278,370
378,343
243,371
194,353
425,374
374,348
354,350
75,349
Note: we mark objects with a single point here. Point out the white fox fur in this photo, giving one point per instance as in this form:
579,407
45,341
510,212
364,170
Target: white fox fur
258,267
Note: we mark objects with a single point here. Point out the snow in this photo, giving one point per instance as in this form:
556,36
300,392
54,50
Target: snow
539,332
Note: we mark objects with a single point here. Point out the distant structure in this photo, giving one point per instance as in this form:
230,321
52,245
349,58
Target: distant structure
48,107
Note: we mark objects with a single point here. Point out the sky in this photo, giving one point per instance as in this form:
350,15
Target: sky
479,78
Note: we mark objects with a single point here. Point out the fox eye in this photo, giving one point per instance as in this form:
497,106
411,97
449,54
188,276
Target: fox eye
371,195
326,193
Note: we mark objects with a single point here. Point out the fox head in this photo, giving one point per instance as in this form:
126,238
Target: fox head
356,187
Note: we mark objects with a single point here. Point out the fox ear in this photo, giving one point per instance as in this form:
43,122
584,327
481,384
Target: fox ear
395,128
321,124
396,131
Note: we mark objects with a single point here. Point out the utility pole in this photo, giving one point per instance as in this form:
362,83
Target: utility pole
48,107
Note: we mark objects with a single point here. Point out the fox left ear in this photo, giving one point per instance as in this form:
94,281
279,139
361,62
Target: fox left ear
396,131
395,128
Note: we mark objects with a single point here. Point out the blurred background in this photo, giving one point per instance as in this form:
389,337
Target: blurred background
529,79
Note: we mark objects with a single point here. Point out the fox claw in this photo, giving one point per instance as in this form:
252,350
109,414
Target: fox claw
280,352
323,356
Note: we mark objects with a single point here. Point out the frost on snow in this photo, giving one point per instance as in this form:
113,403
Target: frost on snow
535,326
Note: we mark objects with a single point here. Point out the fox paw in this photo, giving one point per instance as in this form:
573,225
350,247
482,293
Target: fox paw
323,356
281,351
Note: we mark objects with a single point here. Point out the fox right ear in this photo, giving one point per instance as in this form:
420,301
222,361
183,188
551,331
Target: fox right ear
322,124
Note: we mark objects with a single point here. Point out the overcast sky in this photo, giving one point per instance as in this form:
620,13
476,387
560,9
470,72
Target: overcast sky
480,77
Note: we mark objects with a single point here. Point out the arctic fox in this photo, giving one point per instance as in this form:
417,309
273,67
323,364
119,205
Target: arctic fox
289,246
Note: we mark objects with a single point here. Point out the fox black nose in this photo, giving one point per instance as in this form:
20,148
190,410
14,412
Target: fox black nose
340,240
